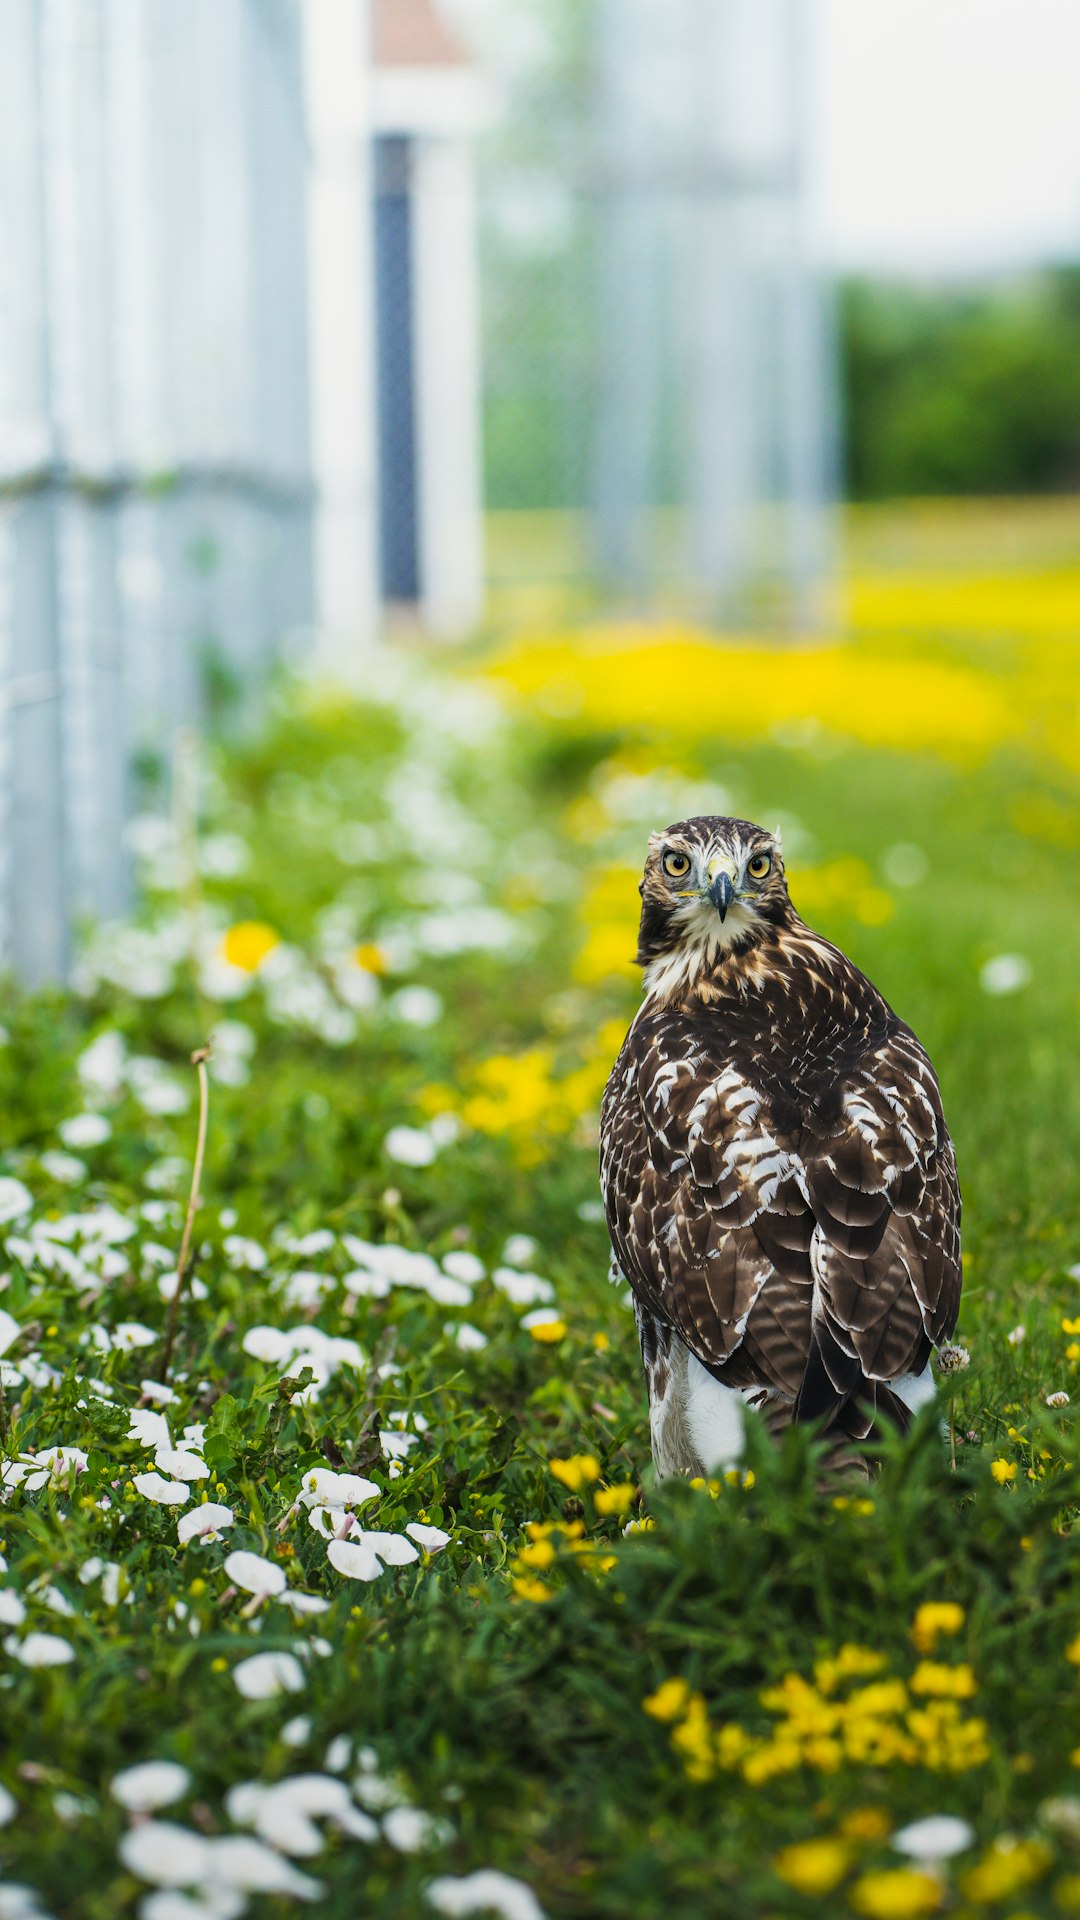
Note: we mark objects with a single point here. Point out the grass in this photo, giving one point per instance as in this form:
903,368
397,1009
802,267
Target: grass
475,834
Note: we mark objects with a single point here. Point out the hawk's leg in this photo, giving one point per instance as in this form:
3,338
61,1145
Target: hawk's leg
696,1424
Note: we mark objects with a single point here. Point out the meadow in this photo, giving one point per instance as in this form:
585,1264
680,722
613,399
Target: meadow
360,1597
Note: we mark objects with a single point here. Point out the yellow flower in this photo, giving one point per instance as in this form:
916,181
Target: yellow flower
813,1866
693,1740
669,1701
220,1665
1070,1326
580,1470
1072,1351
247,944
1004,1868
549,1332
539,1556
617,1500
371,957
866,1823
950,1683
1072,1651
935,1617
1003,1471
896,1893
535,1590
601,1342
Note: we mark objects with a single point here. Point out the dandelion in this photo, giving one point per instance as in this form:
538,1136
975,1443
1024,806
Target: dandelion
896,1893
579,1471
813,1866
1004,1471
934,1618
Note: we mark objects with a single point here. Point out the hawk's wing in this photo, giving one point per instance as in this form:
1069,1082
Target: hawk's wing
798,1229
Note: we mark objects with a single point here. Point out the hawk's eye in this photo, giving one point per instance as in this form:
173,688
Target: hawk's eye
759,866
676,864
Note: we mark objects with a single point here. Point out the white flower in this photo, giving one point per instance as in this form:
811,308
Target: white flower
524,1289
182,1463
212,1903
297,1731
468,1338
156,1089
488,1891
149,1428
165,1854
355,1560
1058,1399
101,1065
156,1783
417,1006
8,1807
234,1860
1017,1337
520,1249
324,1488
85,1130
432,1539
410,1146
541,1317
952,1358
9,1330
65,1168
463,1265
130,1334
285,1814
246,1254
203,1523
15,1201
338,1753
394,1444
305,1603
937,1837
268,1344
391,1547
411,1831
166,1493
1005,973
12,1610
40,1650
372,1286
254,1574
265,1674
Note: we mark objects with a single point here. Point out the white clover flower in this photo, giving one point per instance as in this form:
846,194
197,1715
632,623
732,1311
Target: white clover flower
263,1675
488,1891
1017,1337
937,1837
254,1574
410,1146
15,1200
1057,1399
40,1650
952,1358
165,1493
1005,973
85,1130
432,1539
206,1522
411,1831
152,1784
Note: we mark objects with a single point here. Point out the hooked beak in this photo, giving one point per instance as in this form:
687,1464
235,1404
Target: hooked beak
721,894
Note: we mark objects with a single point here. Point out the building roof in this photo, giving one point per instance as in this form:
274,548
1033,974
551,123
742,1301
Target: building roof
413,33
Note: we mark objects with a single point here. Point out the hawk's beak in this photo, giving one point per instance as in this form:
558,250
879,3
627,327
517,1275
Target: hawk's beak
722,893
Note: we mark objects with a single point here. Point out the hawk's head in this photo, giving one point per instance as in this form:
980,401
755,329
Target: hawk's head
711,886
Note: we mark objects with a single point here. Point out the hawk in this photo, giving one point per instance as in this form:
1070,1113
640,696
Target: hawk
778,1178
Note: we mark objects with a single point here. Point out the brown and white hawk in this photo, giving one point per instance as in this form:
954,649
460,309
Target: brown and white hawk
778,1178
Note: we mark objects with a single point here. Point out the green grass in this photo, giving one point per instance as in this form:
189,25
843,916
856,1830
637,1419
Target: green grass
519,1722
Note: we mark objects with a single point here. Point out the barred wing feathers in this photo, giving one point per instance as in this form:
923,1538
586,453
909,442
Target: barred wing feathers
792,1214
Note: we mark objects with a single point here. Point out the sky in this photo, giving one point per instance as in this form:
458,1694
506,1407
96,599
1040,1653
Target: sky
946,133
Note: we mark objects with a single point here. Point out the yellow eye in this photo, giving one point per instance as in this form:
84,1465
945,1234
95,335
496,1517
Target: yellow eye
676,864
759,866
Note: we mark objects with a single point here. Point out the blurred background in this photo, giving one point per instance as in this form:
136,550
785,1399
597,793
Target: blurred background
331,329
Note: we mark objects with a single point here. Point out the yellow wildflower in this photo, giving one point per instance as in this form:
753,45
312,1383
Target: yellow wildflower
614,1500
1072,1351
535,1590
951,1683
933,1618
580,1470
1004,1868
812,1866
1004,1471
1072,1651
866,1823
601,1342
896,1893
538,1556
765,1762
669,1701
1067,1893
543,1529
371,957
1071,1326
549,1332
247,944
692,1739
